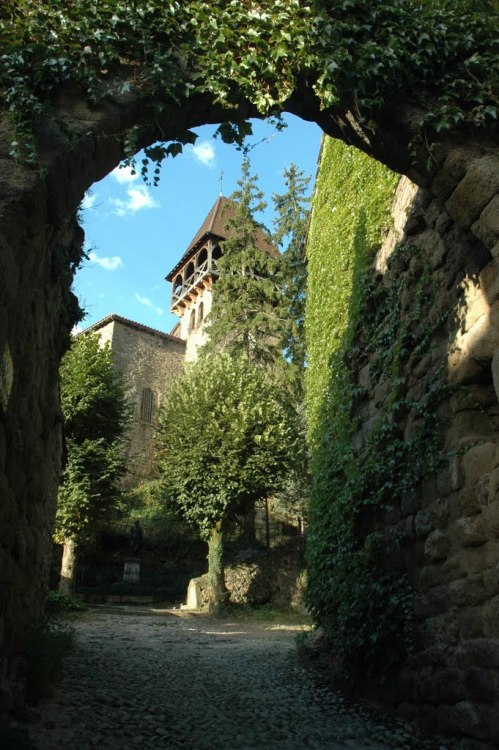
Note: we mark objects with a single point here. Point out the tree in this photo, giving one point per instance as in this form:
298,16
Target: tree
95,415
291,223
247,314
228,436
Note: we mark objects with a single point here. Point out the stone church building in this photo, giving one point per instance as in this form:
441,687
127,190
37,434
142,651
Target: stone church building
148,358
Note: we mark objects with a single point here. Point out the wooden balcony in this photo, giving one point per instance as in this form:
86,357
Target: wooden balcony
197,280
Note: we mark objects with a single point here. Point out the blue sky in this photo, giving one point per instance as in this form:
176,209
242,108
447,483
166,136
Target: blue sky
135,234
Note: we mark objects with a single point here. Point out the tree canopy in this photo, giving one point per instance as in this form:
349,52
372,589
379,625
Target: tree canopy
228,437
95,418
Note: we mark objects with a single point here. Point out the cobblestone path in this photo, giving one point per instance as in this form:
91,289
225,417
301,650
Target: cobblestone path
156,681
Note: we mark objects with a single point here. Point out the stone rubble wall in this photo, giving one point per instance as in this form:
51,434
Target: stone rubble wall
451,527
146,360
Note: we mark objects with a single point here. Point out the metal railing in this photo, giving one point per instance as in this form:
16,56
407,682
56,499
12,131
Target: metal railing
94,578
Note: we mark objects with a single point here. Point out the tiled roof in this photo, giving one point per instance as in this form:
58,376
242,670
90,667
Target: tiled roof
215,226
132,324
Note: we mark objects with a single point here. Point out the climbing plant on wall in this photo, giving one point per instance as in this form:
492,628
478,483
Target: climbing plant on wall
348,593
365,334
351,59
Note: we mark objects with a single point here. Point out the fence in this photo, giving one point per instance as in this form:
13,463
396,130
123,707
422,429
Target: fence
92,578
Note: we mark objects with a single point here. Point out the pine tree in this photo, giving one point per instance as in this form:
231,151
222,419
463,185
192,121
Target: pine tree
247,313
292,212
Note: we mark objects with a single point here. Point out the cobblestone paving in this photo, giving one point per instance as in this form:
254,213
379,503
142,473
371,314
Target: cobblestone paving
157,681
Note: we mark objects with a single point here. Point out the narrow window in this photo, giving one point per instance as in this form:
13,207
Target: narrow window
146,405
192,321
200,313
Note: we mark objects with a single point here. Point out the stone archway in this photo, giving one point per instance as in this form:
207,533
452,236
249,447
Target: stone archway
40,244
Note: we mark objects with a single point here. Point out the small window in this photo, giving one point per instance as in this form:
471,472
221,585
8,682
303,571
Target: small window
192,321
146,405
200,313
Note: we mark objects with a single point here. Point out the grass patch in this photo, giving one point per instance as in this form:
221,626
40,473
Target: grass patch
265,613
58,602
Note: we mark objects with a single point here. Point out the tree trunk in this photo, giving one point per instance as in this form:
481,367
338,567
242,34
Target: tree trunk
216,579
248,524
68,567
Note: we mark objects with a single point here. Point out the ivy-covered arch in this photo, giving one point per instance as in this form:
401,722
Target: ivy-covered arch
85,83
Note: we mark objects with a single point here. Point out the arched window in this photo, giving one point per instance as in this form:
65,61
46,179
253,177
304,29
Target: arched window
189,272
200,313
177,285
216,253
146,405
202,258
192,321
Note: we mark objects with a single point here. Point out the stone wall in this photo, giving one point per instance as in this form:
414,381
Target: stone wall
147,359
450,527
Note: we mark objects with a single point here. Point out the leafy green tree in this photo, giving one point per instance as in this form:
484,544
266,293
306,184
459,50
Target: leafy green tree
247,313
96,415
291,223
228,436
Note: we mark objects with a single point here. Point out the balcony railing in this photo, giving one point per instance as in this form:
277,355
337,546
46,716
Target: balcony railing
207,268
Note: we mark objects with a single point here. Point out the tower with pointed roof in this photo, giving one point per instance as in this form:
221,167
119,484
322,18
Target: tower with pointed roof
193,276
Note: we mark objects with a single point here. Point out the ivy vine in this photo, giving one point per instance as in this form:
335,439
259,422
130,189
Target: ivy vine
358,588
352,56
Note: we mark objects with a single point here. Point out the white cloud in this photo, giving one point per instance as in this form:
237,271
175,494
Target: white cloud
76,330
88,200
204,152
138,199
110,264
147,302
124,175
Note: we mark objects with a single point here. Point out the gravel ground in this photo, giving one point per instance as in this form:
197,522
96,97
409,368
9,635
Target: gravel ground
168,679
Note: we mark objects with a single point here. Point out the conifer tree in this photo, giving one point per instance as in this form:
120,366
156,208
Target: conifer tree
292,212
247,313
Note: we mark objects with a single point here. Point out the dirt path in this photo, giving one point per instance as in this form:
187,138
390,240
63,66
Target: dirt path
162,680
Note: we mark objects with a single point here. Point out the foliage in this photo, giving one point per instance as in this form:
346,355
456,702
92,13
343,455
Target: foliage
58,602
159,520
237,441
358,588
247,315
350,56
95,418
235,444
365,608
48,643
290,233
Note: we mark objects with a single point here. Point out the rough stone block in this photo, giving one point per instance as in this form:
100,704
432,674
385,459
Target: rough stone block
489,281
495,371
461,719
468,502
474,191
487,225
468,532
423,523
491,579
479,652
453,170
470,622
437,545
479,460
491,518
439,510
491,618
